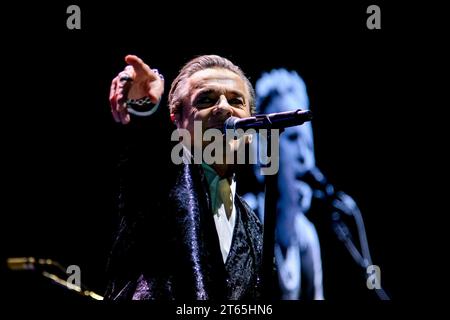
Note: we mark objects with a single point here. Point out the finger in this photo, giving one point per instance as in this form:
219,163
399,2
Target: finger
140,67
127,75
127,118
113,95
122,89
113,99
112,90
124,117
121,116
121,101
119,93
130,70
115,115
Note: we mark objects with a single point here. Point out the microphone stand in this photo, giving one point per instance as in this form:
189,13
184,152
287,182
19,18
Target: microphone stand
270,209
363,259
339,203
269,122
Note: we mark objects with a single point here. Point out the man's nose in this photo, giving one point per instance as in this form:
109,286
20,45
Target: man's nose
300,149
223,108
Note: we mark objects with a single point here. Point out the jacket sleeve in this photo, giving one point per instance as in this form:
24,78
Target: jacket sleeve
142,174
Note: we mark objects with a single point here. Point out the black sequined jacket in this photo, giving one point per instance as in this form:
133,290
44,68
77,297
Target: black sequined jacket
166,246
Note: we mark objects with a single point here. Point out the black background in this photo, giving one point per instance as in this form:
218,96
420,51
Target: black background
59,146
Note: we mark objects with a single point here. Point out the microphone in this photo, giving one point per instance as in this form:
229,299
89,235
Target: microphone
319,183
278,120
325,191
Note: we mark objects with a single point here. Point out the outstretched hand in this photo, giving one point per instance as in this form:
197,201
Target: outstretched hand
136,81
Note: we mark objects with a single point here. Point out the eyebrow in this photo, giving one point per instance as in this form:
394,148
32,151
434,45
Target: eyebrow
208,91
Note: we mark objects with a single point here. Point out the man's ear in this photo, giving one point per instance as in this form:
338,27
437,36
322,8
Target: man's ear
176,118
175,114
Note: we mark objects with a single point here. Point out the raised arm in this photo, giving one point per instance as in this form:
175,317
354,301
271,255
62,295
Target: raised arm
142,146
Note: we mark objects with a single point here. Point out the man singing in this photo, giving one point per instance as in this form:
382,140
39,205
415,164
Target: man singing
184,233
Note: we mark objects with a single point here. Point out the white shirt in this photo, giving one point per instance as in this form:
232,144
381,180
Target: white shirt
222,194
219,189
225,226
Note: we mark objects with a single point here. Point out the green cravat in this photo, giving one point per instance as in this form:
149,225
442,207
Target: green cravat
219,189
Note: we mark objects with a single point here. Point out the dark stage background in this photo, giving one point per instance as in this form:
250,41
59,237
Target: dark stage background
60,148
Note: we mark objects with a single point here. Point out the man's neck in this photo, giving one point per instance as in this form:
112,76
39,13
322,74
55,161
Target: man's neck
223,170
